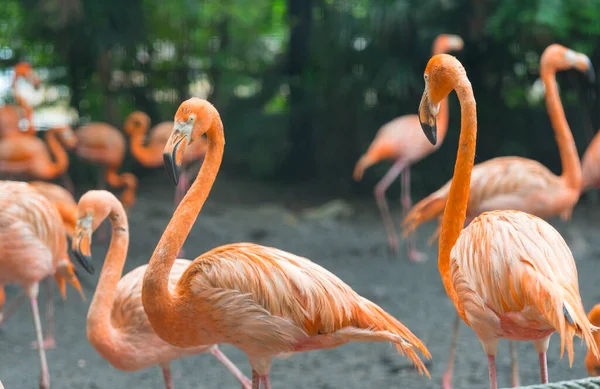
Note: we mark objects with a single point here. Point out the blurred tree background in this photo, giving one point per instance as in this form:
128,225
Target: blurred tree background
303,85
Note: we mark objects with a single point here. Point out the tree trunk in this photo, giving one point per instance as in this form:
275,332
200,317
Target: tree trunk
301,163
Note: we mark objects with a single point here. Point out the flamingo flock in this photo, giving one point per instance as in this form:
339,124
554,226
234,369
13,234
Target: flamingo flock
508,273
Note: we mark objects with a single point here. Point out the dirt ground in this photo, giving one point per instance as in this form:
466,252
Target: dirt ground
351,246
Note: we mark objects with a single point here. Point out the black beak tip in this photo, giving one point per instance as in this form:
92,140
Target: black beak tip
430,132
591,75
85,261
171,167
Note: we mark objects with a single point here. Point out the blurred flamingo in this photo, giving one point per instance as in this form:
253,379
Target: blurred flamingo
592,362
519,183
67,209
28,157
117,325
262,300
509,274
151,155
34,246
401,140
9,114
590,165
104,145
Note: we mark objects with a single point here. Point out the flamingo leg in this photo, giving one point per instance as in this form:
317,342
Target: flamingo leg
514,364
447,377
255,380
166,371
492,370
44,374
217,353
413,254
380,189
49,341
541,345
266,382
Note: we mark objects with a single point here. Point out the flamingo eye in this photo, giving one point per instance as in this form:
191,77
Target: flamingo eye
191,119
426,76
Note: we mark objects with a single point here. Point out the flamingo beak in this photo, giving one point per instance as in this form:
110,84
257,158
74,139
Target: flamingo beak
427,118
81,248
172,155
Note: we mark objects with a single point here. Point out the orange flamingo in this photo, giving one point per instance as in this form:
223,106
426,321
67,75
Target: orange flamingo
104,145
509,274
519,183
151,156
401,140
592,362
67,208
590,165
117,325
262,300
34,246
28,156
9,114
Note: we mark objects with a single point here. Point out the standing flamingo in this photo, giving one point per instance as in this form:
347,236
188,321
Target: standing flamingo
592,362
9,114
509,274
34,246
401,140
104,145
262,300
151,155
117,325
590,165
27,157
67,209
519,183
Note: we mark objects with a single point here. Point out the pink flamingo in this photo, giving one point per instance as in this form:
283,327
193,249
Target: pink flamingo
401,140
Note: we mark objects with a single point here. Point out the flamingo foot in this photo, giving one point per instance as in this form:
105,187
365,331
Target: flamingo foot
49,343
447,380
416,256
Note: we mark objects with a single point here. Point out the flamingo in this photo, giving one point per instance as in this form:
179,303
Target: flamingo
592,362
509,274
104,145
590,165
9,114
67,209
117,325
263,300
519,183
401,140
34,246
151,156
28,156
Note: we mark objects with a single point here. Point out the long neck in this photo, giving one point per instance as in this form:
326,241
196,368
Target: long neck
571,167
100,331
61,159
143,155
456,204
160,305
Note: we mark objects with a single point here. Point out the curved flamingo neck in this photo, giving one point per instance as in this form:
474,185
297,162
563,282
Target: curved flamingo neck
142,154
442,121
159,303
61,159
569,157
100,330
455,212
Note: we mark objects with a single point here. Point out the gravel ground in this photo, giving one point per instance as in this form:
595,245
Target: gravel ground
352,247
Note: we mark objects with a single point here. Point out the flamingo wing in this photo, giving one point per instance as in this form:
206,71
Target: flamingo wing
510,264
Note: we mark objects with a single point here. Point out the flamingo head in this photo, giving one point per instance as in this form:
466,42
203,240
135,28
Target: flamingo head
558,57
67,136
445,43
23,69
193,119
441,76
136,123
